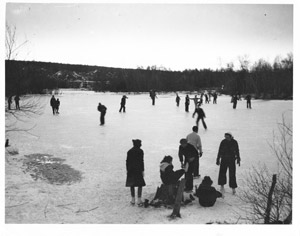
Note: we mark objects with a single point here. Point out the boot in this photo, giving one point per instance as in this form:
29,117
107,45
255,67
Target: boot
132,202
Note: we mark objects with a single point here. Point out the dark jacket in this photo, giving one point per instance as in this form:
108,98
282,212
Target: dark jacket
135,167
52,102
200,112
188,152
207,195
123,101
167,174
229,150
135,160
102,108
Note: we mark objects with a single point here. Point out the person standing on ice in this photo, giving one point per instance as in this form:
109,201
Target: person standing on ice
177,99
187,103
53,104
135,171
57,104
227,155
248,98
189,153
102,109
17,99
194,139
9,102
201,115
153,96
123,102
234,101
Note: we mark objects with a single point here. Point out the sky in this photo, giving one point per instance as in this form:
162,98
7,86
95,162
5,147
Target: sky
130,35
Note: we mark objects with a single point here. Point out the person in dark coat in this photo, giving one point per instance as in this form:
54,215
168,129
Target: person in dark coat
227,155
234,101
17,99
153,96
123,103
102,109
57,104
207,194
167,174
53,104
9,102
201,115
135,170
187,103
189,152
177,99
215,95
248,98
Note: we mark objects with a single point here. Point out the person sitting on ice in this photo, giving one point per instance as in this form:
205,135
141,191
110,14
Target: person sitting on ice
167,174
207,194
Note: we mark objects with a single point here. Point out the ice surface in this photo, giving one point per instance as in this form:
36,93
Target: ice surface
99,152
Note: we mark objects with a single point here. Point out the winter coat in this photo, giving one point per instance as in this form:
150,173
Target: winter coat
200,112
135,167
188,152
229,150
102,108
207,195
123,101
168,175
52,102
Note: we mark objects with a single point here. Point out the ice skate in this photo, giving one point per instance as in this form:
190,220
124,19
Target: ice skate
140,203
132,202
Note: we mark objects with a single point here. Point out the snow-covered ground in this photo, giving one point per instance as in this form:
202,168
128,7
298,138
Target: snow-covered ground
99,152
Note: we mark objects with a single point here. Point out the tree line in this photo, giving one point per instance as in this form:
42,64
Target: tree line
263,79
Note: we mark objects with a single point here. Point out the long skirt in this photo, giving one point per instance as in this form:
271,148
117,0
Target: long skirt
135,179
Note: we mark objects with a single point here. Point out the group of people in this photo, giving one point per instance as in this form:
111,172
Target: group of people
236,97
55,103
189,153
17,102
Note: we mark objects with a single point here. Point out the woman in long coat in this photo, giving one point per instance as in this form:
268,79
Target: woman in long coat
135,170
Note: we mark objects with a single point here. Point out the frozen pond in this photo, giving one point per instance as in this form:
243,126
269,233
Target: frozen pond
100,151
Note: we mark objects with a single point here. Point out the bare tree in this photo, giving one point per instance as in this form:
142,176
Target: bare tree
21,120
269,201
12,47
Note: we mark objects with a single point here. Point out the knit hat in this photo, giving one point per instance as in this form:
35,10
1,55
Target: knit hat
207,181
229,133
136,142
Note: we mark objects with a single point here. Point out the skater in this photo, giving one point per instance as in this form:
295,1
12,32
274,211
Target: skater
102,109
215,95
177,99
228,154
135,171
189,153
194,139
17,99
195,101
248,98
207,194
153,96
167,174
57,104
201,116
9,102
234,101
123,102
206,99
187,103
53,104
